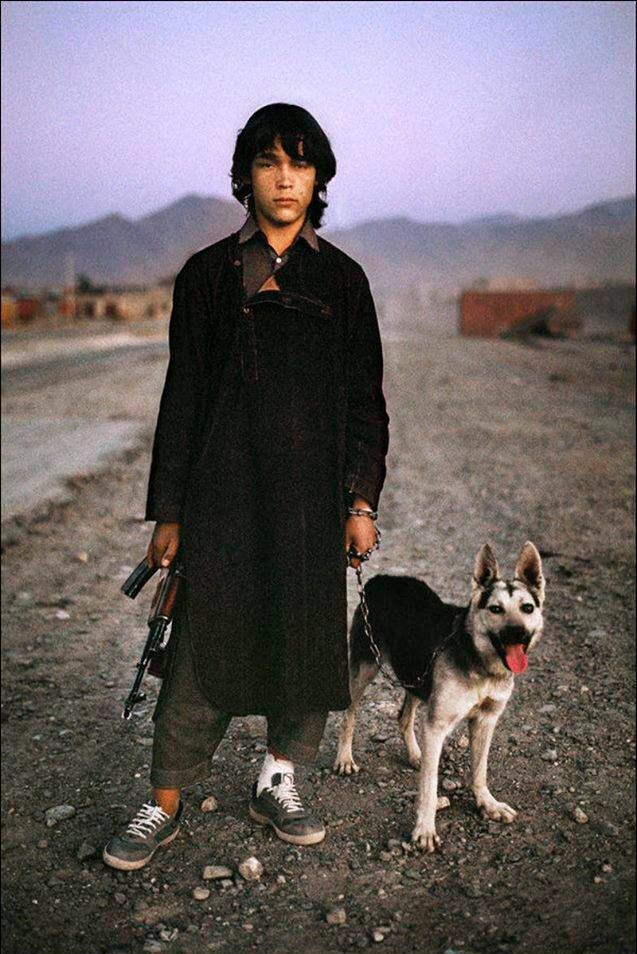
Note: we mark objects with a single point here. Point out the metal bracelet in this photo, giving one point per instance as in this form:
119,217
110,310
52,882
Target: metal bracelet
360,512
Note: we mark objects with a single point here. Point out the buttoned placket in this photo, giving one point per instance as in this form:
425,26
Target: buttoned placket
251,374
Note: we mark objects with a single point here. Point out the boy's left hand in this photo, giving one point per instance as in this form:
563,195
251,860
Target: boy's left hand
360,532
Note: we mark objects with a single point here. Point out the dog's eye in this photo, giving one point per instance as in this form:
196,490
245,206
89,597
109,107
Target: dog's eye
495,608
527,607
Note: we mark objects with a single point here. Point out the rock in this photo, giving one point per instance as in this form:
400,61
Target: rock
336,916
209,804
24,598
57,814
463,742
169,934
251,869
212,872
281,879
548,708
380,737
580,816
201,894
62,614
450,785
43,843
378,936
81,556
152,947
443,802
86,851
119,898
550,755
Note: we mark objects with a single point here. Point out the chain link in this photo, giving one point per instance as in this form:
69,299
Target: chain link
374,646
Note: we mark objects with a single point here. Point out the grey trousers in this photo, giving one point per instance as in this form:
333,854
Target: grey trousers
188,729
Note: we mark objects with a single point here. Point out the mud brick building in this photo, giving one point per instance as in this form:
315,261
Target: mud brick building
489,314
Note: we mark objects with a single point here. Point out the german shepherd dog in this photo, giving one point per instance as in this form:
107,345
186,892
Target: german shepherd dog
460,662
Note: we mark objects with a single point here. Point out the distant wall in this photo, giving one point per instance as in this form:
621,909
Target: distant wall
490,313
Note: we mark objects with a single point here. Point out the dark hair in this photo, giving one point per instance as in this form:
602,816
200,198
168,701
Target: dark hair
289,123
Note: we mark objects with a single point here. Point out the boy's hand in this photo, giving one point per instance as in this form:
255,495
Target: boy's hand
163,545
361,533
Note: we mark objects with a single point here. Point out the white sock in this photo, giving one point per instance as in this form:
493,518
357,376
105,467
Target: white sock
270,767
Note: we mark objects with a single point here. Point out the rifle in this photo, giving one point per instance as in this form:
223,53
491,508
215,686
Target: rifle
159,616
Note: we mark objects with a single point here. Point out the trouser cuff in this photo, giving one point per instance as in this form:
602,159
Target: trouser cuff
180,778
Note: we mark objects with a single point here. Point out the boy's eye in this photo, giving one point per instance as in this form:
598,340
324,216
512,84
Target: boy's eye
494,608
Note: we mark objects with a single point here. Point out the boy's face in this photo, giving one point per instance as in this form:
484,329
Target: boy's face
276,177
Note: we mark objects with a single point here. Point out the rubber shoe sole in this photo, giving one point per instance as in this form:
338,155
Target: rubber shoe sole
122,865
311,839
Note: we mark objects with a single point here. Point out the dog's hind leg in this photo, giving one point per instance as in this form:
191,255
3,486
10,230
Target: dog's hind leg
359,681
406,720
481,730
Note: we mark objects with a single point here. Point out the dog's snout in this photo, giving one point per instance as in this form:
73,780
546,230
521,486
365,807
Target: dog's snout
515,634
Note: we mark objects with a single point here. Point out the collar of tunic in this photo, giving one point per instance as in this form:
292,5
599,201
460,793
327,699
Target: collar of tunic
260,260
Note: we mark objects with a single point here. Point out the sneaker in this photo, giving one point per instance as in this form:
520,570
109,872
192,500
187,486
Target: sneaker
135,845
279,805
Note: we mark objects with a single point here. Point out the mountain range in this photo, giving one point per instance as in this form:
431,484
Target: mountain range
592,246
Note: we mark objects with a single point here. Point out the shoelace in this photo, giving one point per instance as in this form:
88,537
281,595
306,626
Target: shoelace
286,793
146,819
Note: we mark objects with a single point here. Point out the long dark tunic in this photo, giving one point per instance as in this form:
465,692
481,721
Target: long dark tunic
272,413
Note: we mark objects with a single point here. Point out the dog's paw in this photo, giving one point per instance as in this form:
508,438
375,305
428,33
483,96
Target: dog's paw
425,837
345,765
498,811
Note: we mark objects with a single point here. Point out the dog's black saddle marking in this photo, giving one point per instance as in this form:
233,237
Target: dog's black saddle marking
410,623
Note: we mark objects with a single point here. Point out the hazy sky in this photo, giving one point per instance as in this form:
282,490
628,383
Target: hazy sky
438,111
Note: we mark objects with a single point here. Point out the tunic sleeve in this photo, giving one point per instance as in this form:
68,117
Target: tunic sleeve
368,420
175,433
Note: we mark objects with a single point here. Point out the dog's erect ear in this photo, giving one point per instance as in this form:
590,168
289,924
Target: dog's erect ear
486,570
528,569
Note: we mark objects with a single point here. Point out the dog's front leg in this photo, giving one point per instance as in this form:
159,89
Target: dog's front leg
481,730
433,736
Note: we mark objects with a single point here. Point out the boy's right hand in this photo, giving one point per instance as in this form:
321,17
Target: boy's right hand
163,545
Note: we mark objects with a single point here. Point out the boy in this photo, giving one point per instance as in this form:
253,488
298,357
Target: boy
268,463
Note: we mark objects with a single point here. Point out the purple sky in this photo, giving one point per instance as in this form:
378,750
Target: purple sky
438,111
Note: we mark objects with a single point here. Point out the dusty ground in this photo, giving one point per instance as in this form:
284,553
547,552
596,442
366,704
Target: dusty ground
489,440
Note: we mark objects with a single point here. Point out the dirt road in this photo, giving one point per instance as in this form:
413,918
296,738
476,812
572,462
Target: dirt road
46,438
489,441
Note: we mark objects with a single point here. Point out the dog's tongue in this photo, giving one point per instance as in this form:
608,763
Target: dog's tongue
517,659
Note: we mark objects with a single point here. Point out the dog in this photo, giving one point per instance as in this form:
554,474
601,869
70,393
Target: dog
459,661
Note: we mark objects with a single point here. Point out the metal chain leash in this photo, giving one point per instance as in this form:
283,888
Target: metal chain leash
367,626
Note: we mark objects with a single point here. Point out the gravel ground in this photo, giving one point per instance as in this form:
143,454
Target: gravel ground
490,440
